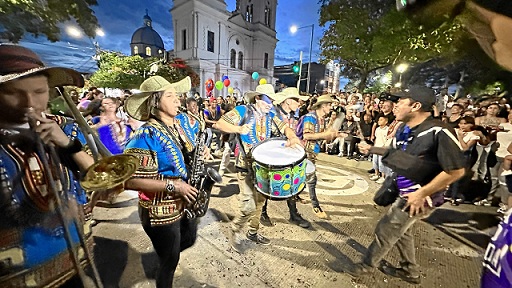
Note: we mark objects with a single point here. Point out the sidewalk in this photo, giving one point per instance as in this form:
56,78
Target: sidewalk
449,253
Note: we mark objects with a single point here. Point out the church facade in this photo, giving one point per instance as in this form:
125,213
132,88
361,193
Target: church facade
217,43
146,42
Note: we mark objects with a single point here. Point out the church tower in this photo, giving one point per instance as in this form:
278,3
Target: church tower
218,43
146,42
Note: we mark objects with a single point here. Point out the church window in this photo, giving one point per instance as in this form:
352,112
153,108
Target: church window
183,39
240,60
211,41
135,50
267,16
249,13
265,61
148,51
232,59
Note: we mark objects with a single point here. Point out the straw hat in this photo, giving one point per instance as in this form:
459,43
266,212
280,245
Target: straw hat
321,100
17,62
288,93
265,89
137,105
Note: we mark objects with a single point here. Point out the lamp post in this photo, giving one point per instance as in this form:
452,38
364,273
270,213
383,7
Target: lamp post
401,68
294,30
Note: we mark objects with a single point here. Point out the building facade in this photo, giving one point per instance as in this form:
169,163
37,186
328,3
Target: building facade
146,42
324,78
217,43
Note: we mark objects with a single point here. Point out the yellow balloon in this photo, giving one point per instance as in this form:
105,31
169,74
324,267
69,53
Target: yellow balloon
230,90
263,81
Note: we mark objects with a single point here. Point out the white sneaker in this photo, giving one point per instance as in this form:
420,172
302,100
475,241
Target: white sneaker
374,177
340,154
380,180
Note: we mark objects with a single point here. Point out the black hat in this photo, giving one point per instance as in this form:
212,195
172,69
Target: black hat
421,94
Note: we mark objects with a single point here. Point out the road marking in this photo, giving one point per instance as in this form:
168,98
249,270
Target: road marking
334,181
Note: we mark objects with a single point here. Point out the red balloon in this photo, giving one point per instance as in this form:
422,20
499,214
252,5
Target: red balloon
209,84
227,82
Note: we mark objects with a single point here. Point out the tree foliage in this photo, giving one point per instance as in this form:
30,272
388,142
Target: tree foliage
42,17
128,72
365,36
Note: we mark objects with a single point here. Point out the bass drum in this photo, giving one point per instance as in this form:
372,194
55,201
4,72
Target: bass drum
279,171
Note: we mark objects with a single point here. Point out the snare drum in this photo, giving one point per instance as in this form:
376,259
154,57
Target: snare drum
279,171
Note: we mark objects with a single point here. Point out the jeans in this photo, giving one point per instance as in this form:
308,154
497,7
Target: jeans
311,181
168,240
394,229
251,202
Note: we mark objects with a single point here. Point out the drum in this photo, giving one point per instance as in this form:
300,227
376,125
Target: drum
279,171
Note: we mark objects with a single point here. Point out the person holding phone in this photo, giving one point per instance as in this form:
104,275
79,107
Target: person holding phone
420,142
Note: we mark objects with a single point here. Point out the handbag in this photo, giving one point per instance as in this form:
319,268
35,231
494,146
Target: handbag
388,192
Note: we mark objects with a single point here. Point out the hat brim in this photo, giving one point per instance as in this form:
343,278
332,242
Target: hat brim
250,95
282,97
319,103
137,105
57,76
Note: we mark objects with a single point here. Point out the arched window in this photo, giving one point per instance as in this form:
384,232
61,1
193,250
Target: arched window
148,51
267,16
240,60
249,13
232,59
135,50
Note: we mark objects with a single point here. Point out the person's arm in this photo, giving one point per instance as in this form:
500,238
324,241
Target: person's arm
182,189
465,145
327,135
372,137
226,127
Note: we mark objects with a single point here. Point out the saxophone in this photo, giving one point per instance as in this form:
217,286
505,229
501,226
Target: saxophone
202,177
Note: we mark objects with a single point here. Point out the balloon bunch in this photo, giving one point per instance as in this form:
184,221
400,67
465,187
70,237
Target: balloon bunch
256,75
219,84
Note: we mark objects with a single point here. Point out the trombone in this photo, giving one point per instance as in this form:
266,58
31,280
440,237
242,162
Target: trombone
106,173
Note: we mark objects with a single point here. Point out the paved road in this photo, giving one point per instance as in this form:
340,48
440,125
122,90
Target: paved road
449,244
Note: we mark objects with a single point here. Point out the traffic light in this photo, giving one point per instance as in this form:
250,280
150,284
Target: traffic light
296,67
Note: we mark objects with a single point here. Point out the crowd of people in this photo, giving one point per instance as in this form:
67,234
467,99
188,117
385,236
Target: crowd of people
429,152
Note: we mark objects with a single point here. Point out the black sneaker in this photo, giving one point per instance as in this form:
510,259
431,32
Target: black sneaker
359,269
298,220
371,171
399,273
265,220
258,238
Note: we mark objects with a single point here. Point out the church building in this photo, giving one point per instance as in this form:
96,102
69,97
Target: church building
217,43
146,42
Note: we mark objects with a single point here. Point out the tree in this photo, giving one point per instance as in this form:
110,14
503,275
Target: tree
128,72
365,36
37,17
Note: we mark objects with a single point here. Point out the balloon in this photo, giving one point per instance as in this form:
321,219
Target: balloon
224,78
209,84
255,75
227,82
263,81
218,85
230,90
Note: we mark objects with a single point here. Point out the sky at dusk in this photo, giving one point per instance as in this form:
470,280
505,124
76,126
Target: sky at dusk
119,19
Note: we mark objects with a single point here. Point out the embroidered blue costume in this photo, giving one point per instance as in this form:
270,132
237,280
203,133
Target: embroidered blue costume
114,136
190,127
33,246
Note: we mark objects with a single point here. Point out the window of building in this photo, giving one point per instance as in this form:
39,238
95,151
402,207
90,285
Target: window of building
265,61
148,51
267,16
240,60
232,59
135,50
183,39
211,41
249,13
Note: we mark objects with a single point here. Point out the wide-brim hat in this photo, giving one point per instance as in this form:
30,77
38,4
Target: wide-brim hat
137,105
321,100
288,93
17,62
265,89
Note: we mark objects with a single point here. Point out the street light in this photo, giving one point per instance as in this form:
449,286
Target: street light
293,30
401,69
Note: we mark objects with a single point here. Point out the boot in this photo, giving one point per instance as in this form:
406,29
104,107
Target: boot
295,217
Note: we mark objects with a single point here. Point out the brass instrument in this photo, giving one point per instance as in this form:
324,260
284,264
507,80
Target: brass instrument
202,177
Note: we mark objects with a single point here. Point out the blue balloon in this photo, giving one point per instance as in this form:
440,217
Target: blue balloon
224,77
255,75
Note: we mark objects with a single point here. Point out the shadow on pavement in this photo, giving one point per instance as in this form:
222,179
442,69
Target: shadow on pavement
111,268
227,190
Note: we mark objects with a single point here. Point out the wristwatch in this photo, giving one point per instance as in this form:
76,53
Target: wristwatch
169,186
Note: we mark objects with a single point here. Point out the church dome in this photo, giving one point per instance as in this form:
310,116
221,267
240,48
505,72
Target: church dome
146,35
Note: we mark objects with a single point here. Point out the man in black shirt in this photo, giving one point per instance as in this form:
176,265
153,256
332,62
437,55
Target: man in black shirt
426,157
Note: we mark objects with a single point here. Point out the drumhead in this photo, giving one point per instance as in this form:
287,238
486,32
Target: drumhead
274,152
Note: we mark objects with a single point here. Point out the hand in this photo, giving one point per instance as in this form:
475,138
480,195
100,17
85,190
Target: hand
415,202
364,148
48,130
340,134
292,142
206,153
185,191
245,129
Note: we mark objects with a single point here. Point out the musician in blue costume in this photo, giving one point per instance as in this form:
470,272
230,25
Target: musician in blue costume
190,124
254,123
34,250
162,175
